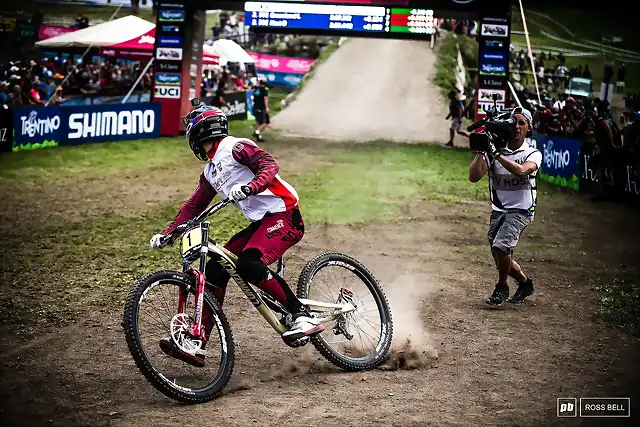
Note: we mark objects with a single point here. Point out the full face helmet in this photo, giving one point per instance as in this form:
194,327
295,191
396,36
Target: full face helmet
205,124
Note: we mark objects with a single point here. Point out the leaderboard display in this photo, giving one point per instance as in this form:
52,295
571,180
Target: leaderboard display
314,18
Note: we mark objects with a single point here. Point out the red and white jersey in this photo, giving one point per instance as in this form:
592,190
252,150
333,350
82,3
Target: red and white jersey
241,161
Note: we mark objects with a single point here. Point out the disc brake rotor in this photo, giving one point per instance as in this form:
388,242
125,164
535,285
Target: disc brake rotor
180,324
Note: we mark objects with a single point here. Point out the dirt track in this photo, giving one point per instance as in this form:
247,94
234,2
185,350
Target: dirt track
370,89
494,367
480,367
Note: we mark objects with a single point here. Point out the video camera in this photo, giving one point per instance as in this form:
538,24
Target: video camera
499,129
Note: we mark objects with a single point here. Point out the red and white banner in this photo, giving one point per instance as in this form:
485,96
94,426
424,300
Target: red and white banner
49,31
281,64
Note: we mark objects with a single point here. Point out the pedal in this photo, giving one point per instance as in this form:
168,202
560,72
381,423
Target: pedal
297,342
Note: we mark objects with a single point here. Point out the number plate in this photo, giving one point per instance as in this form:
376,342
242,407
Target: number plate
191,240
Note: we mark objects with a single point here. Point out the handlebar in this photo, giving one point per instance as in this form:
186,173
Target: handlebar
197,220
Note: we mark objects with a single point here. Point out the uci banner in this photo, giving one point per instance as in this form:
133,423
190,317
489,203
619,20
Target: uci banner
74,125
560,160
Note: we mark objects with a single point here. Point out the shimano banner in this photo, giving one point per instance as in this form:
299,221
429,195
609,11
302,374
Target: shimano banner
79,124
36,127
560,160
110,122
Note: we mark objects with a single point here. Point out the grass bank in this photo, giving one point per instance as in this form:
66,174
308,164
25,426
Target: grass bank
620,305
446,64
583,25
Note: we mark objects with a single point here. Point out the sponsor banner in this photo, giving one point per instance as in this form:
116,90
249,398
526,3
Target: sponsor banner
6,129
493,69
37,127
48,31
560,160
168,79
492,82
281,64
486,95
170,29
172,67
493,57
79,124
169,53
126,53
170,41
494,30
171,92
621,173
495,44
110,122
237,109
282,79
171,15
483,107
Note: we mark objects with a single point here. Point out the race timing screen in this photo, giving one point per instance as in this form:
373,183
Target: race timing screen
380,21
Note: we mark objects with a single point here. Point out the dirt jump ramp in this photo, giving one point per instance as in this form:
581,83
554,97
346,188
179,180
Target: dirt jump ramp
370,89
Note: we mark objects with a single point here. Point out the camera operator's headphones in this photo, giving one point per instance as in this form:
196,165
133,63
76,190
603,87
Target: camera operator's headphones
527,116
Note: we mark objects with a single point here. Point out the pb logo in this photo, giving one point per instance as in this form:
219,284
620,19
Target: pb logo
567,407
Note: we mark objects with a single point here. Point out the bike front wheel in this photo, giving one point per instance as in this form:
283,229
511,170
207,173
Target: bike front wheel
151,321
359,340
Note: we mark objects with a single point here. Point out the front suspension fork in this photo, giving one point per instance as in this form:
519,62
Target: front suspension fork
196,330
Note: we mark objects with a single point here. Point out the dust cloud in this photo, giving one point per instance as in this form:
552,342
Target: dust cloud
412,346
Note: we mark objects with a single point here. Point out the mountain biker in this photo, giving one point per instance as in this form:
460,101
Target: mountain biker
236,168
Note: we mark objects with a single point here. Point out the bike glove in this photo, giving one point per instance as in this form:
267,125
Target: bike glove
239,192
156,241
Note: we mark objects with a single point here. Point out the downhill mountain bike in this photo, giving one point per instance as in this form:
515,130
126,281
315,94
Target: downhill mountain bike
182,307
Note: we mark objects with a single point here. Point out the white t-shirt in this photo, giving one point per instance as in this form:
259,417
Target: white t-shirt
507,190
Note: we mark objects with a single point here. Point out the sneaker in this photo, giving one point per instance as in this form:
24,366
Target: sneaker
499,296
303,326
449,144
524,290
170,349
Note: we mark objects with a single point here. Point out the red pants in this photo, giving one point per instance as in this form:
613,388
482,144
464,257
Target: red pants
273,235
257,246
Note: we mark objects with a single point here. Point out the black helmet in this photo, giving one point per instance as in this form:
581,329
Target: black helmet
205,124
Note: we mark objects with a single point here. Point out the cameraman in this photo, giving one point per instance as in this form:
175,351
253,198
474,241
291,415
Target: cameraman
512,186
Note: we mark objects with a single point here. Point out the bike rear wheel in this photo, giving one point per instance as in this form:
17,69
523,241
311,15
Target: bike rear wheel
375,336
157,294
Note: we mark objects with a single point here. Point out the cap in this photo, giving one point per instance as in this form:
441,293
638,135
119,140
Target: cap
527,116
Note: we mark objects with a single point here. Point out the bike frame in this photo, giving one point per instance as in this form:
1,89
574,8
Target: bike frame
228,261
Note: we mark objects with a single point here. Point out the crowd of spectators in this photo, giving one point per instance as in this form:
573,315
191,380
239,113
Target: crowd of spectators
584,119
54,80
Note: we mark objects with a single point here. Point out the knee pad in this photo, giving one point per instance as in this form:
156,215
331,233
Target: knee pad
215,273
250,267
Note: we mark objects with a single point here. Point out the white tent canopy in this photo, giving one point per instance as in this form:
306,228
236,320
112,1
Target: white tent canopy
106,34
230,51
